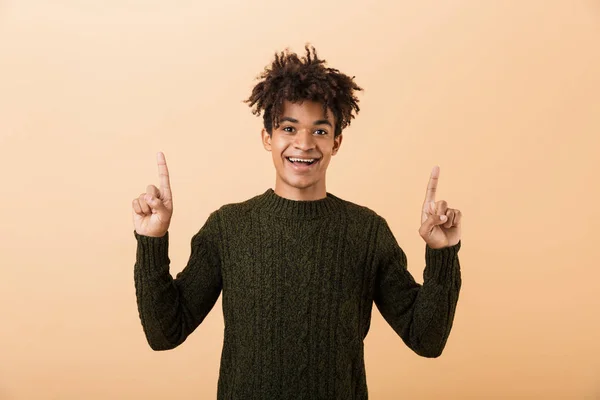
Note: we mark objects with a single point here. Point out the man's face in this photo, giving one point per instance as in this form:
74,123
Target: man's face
302,146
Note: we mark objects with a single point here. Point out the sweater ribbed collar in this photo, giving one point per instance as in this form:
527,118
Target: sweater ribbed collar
274,204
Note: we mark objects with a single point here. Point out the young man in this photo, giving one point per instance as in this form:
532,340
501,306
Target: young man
299,268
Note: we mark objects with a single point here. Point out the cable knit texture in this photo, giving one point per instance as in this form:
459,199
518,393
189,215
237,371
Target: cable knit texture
299,279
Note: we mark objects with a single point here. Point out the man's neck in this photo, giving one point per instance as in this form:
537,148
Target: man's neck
291,193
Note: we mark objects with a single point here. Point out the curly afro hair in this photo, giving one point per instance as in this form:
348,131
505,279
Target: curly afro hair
296,79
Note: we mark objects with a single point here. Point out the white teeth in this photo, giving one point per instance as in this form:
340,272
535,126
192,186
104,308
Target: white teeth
302,160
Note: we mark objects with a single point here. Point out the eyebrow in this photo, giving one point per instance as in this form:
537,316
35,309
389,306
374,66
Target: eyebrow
295,121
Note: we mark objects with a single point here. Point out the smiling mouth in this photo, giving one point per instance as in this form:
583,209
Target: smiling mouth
302,161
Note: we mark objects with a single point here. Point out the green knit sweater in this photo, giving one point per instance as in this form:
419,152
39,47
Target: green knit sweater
299,279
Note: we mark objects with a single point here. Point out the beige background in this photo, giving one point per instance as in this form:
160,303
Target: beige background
503,95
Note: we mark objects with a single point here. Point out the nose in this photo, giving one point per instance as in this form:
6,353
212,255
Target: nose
304,140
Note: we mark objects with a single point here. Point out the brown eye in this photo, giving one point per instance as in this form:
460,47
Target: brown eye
322,132
288,129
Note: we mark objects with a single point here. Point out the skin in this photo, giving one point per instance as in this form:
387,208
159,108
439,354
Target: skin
440,225
153,209
303,132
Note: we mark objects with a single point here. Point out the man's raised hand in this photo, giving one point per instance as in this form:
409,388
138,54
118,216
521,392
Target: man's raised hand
440,225
153,209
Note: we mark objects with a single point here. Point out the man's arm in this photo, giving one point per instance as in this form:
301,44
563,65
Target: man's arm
422,315
171,309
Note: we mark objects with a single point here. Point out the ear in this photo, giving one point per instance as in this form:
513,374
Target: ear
337,142
266,139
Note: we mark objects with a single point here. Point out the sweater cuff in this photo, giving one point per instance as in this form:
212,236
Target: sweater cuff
152,250
441,265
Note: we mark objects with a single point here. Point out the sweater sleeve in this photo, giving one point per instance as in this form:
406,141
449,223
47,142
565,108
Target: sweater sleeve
170,309
422,315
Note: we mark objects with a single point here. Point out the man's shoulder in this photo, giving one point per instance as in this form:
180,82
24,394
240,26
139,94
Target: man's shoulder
358,211
238,208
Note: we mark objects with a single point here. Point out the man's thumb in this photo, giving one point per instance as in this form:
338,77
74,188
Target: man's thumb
155,203
434,220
